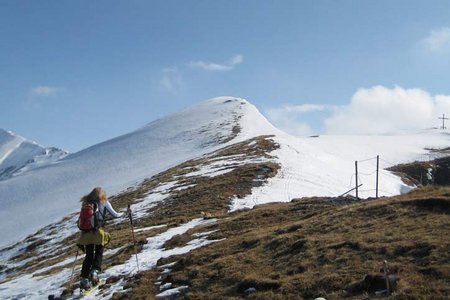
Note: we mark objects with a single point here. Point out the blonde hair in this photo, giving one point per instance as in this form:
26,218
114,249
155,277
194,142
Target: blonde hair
98,195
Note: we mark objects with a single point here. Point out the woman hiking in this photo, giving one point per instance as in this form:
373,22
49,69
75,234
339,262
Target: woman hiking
93,236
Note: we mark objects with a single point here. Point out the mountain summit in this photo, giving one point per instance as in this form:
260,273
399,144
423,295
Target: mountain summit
118,163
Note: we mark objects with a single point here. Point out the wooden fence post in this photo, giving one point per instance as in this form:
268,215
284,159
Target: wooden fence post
356,176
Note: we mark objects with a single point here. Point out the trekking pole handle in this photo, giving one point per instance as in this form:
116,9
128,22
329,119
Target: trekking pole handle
132,234
129,213
131,222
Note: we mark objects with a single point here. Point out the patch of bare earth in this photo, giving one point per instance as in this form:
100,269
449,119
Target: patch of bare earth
433,172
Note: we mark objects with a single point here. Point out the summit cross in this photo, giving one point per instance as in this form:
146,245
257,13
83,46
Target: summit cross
443,118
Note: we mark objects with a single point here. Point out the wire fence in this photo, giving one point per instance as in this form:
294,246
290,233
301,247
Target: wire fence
370,167
368,170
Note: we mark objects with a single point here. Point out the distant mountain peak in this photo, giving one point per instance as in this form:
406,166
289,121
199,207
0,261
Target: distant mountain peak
19,155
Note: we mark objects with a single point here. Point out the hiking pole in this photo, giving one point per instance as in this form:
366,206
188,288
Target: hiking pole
73,266
132,233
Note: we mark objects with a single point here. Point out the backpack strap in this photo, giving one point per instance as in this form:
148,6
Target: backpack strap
102,215
96,225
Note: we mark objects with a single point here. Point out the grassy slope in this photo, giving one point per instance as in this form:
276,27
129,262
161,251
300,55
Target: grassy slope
304,249
321,247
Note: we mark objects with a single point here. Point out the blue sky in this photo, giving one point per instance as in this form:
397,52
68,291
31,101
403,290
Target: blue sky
76,73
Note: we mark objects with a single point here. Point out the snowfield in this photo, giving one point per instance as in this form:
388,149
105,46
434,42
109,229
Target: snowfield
310,166
325,165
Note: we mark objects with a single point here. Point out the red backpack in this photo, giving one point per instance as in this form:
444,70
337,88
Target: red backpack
88,219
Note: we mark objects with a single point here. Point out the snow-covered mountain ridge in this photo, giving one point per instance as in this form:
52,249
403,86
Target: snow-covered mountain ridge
322,166
217,156
18,155
126,160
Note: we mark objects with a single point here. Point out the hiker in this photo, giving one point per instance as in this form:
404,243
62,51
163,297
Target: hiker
93,236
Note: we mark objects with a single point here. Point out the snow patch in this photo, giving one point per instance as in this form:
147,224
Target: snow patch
172,292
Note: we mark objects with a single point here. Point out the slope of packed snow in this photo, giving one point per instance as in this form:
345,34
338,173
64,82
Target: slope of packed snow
325,165
45,195
18,155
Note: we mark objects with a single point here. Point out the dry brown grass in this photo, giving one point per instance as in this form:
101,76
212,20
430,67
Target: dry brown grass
323,247
416,172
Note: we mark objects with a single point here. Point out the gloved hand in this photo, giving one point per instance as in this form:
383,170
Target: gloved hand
127,213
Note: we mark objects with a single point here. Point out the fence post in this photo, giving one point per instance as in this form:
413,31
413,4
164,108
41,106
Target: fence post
356,176
378,170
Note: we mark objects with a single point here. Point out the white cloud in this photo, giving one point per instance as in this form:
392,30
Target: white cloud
171,80
44,91
302,108
215,67
237,59
380,110
375,110
438,40
40,95
291,125
289,117
208,66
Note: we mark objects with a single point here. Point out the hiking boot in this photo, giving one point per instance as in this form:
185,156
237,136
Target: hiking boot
85,284
93,277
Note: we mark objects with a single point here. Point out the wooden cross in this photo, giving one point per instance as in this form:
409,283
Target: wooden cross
443,118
